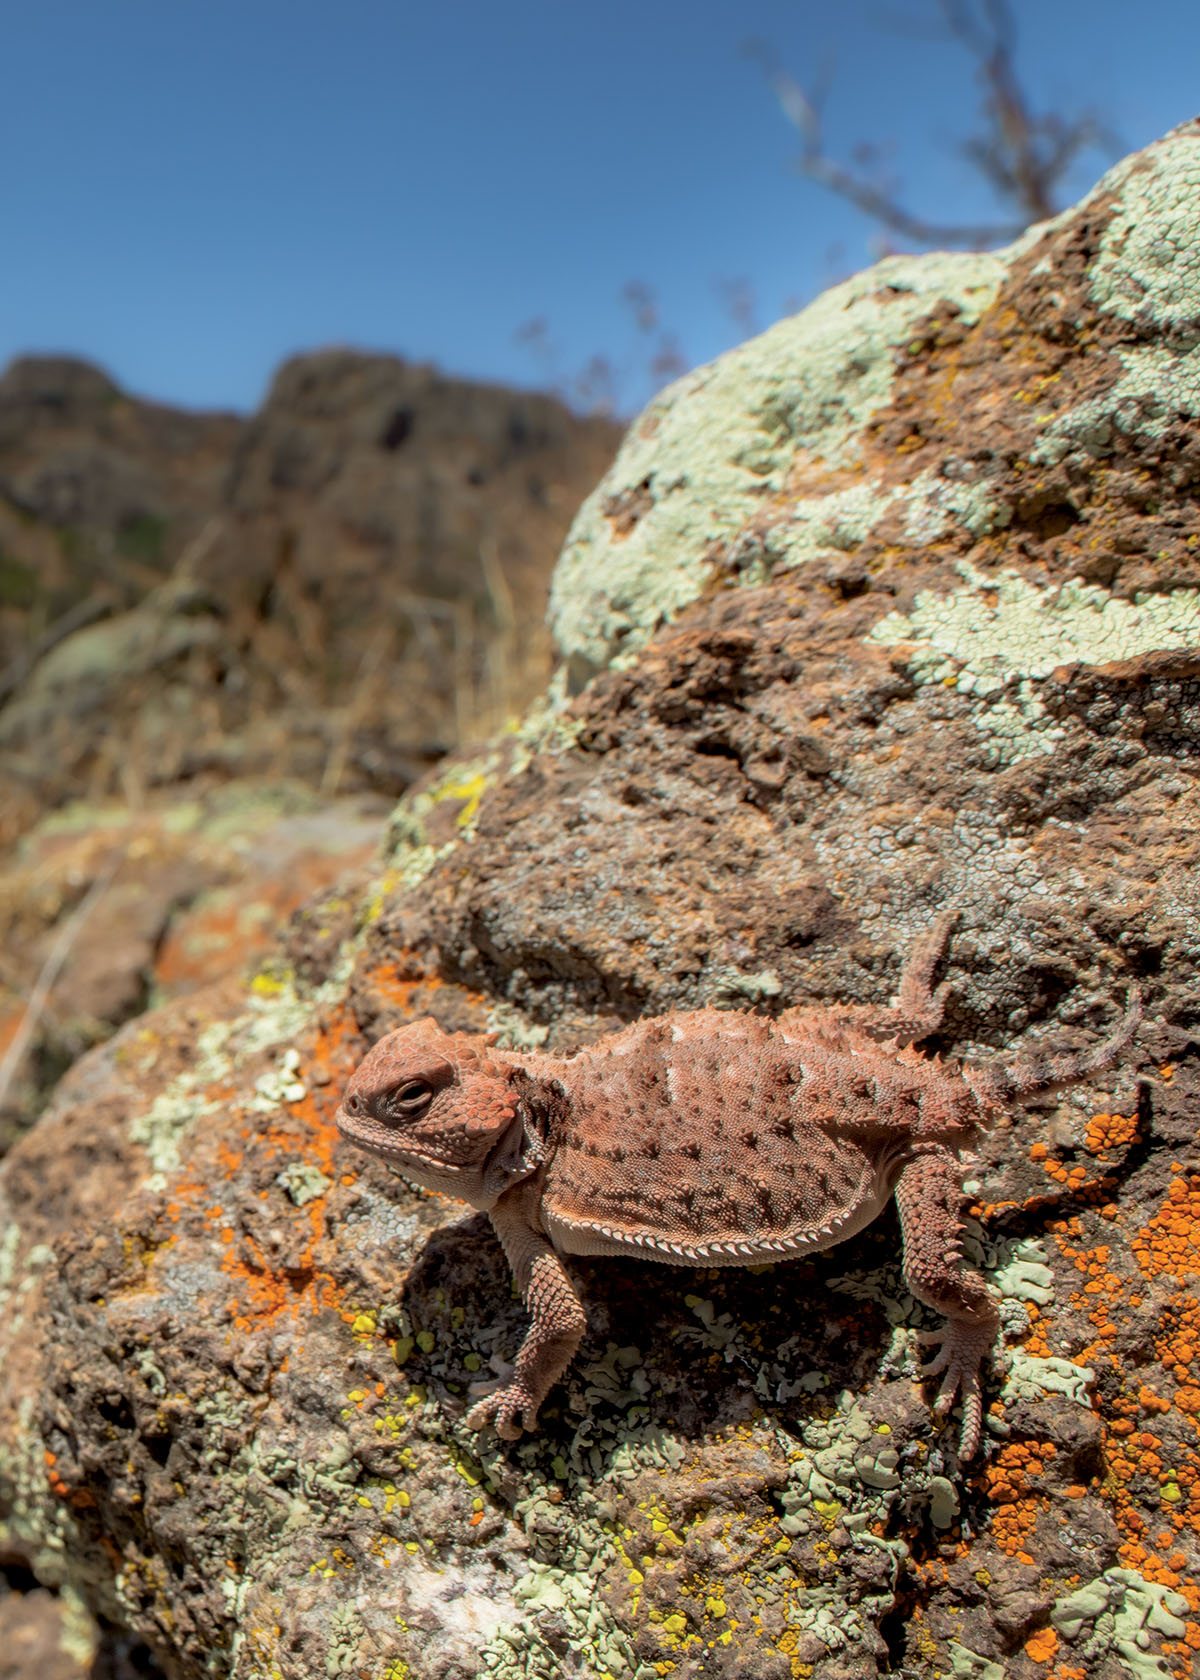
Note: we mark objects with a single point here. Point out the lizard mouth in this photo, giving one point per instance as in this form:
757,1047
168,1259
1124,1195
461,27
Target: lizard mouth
403,1156
415,1162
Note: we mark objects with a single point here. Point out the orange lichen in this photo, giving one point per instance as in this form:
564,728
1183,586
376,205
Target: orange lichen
1171,1241
244,920
404,985
1008,1481
1037,1343
1074,1180
1152,1483
79,1497
1110,1131
305,1130
1041,1646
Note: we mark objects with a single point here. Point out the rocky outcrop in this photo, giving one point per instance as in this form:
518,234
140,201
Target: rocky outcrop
893,608
330,590
105,911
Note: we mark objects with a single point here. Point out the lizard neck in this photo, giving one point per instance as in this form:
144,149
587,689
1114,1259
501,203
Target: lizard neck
529,1142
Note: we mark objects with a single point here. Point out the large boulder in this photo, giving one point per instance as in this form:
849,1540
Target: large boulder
892,608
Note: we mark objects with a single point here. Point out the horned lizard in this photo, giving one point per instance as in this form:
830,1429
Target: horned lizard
709,1138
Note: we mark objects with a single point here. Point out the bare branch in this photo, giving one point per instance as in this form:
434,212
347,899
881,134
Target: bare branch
1024,156
877,204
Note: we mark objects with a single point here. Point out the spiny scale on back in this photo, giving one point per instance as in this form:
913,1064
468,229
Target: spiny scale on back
708,1138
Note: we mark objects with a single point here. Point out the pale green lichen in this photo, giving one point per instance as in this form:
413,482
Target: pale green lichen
1122,1613
78,1635
694,468
936,505
970,1665
1029,1378
732,985
10,1242
1148,265
270,1021
585,1548
944,1505
303,1181
36,1523
1016,1266
995,639
514,1028
162,1127
998,630
1156,384
407,846
1017,1270
545,727
930,506
279,1085
844,1473
1147,270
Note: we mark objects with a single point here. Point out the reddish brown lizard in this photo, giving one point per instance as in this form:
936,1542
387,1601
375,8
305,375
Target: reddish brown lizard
709,1138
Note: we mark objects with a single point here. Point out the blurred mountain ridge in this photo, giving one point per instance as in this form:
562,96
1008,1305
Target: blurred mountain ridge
336,589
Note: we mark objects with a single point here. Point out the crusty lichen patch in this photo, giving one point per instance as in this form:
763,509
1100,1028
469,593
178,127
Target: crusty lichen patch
1120,1612
1148,267
1147,272
998,630
696,466
622,1522
996,637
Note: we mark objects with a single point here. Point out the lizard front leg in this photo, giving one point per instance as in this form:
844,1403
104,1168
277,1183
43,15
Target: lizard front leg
929,1195
557,1318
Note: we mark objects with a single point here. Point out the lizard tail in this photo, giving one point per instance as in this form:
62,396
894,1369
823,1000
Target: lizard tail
1006,1080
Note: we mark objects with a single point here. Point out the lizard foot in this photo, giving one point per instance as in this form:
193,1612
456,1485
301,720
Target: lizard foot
508,1409
961,1352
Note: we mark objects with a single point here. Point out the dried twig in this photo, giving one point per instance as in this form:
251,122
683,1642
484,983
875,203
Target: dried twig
83,612
53,966
1023,155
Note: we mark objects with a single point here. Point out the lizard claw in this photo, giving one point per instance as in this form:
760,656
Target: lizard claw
957,1361
508,1409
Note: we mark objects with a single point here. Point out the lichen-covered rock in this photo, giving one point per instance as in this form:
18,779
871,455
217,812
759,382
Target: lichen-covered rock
106,910
907,620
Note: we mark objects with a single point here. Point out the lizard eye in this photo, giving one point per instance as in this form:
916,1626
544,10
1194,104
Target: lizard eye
412,1096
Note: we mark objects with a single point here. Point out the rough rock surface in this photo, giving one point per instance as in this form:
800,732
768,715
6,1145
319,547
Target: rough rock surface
891,609
104,911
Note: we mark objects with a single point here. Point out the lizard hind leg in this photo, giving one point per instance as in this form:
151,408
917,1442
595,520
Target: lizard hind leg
917,1010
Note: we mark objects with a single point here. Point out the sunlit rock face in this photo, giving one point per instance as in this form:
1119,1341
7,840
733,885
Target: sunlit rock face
891,609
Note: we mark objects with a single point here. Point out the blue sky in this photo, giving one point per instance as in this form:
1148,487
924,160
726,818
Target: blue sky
196,188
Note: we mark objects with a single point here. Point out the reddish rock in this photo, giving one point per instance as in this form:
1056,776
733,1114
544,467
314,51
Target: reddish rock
843,658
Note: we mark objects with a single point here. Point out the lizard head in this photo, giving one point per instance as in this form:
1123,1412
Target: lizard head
442,1109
